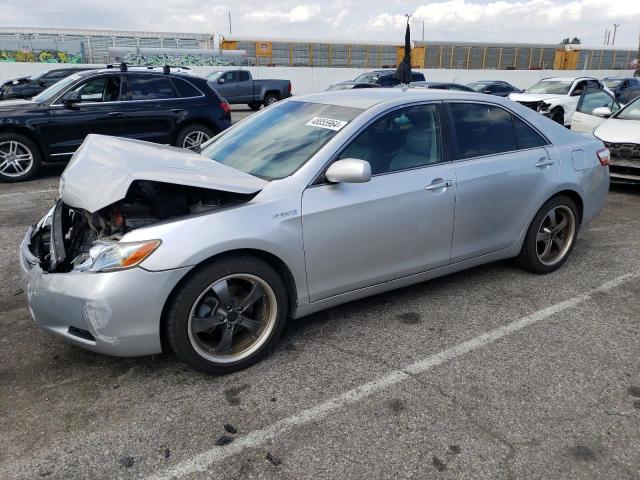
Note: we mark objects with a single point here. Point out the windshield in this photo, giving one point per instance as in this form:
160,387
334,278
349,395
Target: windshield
367,78
612,82
477,87
55,89
36,76
214,75
631,111
554,87
275,143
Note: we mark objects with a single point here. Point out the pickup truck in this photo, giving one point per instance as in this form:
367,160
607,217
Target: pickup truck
237,86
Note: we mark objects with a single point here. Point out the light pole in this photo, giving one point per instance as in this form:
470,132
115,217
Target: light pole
615,27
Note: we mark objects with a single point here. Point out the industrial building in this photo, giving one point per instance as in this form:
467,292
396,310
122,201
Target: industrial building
59,45
428,54
90,46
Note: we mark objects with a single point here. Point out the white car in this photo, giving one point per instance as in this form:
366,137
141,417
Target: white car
557,97
598,113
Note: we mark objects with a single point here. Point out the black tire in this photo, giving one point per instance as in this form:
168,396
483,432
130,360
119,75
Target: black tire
255,106
189,293
26,144
190,130
270,99
529,257
557,115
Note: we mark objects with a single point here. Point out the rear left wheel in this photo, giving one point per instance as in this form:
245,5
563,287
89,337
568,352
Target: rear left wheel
270,99
19,158
193,136
228,315
551,236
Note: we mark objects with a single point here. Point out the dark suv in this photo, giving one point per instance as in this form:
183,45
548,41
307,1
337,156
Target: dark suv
27,87
162,105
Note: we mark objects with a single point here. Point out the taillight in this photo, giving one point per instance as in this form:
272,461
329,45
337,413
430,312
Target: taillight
289,87
225,107
604,155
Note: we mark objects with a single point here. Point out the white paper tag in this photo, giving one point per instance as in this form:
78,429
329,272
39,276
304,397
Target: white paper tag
328,123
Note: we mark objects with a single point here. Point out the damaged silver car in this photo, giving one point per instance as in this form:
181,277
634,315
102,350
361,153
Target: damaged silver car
308,204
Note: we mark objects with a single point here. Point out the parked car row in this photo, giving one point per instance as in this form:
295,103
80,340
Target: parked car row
166,106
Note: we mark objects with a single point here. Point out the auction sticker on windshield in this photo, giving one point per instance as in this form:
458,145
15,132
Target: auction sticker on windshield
328,123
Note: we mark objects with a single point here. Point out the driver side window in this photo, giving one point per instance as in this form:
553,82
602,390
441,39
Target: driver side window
595,98
100,89
405,138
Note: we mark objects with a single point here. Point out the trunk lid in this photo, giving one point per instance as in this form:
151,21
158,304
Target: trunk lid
102,170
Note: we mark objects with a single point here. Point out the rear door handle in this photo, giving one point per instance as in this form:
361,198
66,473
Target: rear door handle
439,185
177,110
544,162
114,114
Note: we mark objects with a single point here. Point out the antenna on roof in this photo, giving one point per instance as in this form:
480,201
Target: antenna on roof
123,67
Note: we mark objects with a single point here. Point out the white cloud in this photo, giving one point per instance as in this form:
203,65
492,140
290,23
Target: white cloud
301,13
545,21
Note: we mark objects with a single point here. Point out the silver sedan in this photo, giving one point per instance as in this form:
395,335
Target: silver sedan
310,203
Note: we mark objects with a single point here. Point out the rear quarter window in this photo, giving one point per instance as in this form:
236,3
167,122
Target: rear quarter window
526,136
185,89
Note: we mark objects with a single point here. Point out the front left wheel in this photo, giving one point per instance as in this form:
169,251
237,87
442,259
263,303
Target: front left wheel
228,315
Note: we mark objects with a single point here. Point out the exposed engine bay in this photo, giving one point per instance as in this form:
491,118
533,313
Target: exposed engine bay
64,242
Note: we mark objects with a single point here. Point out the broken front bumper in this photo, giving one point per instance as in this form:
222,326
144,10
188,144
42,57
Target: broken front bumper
115,313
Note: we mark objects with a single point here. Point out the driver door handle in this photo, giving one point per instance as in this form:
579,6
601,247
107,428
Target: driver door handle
114,114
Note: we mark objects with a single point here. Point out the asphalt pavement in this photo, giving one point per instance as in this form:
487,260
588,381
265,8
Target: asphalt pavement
489,373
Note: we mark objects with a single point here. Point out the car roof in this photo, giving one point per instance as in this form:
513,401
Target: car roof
137,69
368,97
567,79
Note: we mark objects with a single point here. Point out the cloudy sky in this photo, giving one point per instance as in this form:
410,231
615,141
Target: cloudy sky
545,21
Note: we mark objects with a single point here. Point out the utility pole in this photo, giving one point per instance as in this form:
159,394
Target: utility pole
606,32
615,28
229,22
423,30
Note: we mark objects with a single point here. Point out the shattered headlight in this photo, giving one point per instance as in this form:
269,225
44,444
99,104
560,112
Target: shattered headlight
112,256
544,107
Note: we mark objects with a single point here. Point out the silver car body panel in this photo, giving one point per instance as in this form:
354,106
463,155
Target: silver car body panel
102,169
339,242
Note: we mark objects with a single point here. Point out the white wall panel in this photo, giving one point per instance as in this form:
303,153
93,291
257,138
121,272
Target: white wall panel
315,79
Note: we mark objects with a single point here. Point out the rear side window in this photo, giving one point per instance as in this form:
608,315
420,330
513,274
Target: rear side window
149,87
482,130
185,89
417,77
243,76
526,136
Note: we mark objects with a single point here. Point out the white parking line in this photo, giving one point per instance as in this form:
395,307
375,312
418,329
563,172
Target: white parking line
52,190
201,461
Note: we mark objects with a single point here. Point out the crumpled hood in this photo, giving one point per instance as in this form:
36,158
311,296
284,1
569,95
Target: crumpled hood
619,131
532,97
102,170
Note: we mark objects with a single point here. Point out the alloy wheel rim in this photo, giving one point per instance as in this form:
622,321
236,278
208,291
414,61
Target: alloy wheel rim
555,235
15,159
232,318
194,139
271,100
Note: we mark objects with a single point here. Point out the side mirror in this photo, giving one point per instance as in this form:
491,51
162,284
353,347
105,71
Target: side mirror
349,170
604,112
576,93
71,98
41,83
486,90
221,80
